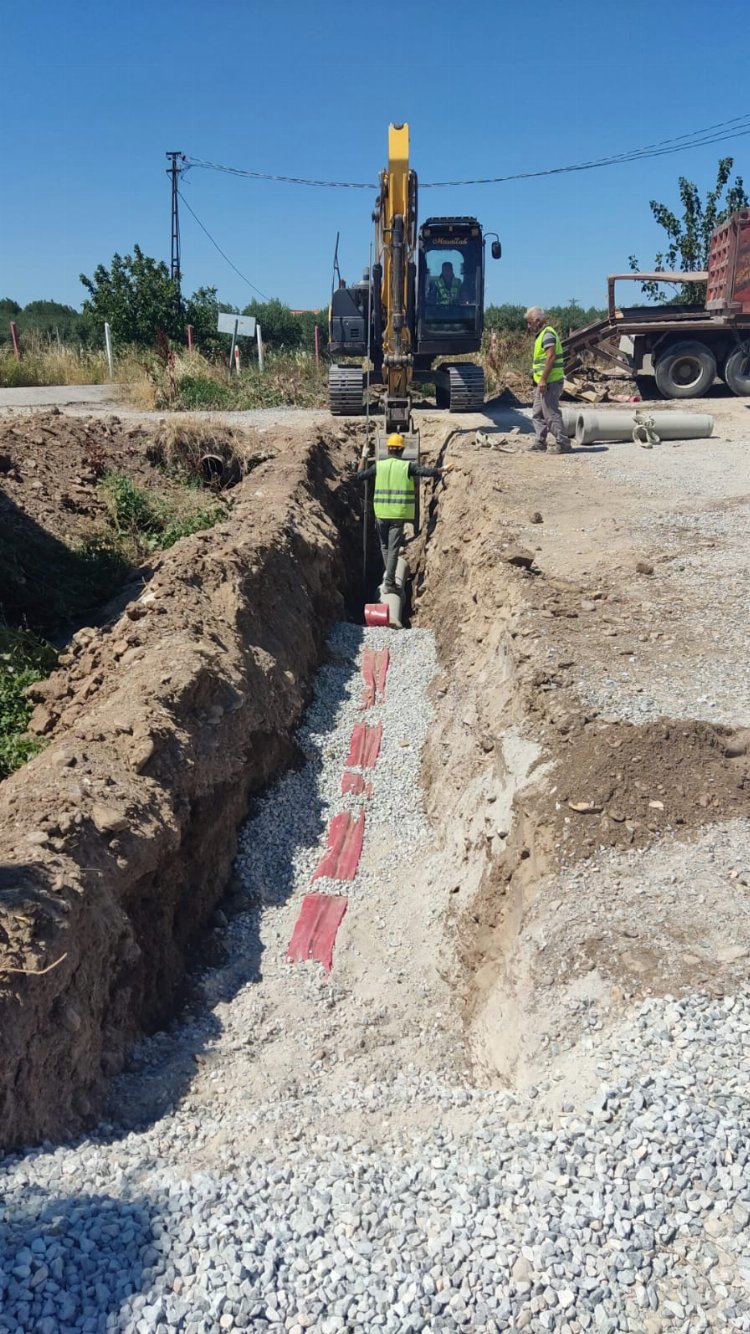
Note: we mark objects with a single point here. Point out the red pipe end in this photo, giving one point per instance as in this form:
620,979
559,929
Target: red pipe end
376,613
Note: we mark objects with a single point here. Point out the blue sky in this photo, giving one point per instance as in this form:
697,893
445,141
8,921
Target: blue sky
94,95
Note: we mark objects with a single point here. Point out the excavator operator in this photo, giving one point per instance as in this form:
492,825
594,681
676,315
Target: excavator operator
394,500
448,286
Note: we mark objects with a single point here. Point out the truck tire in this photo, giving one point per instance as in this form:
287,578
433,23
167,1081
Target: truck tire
685,370
737,370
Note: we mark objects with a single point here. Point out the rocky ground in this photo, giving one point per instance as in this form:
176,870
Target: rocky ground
520,1101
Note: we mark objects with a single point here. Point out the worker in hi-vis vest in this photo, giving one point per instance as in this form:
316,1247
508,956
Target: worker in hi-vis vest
548,374
394,500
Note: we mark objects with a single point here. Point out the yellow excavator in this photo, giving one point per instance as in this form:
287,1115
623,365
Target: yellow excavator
423,300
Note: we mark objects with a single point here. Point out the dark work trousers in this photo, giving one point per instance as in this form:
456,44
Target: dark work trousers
391,535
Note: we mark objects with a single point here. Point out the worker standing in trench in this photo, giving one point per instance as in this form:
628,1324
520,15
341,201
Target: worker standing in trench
394,500
548,373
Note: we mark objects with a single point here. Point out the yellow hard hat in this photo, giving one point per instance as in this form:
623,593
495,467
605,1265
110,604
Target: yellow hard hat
395,441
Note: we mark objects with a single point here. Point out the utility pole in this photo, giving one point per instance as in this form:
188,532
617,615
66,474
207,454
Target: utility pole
174,267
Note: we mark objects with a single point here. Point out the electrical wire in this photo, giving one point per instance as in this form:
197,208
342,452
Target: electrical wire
698,138
735,128
221,252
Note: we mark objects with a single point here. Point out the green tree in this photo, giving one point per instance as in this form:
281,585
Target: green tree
279,327
52,319
202,312
689,236
307,319
137,297
9,309
505,319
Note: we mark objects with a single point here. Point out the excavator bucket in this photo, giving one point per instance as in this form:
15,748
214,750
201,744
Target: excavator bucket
411,444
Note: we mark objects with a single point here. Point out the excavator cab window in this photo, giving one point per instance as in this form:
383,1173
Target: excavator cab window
450,281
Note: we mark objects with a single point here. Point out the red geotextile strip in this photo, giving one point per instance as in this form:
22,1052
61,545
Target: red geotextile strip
315,930
354,785
364,746
374,670
345,838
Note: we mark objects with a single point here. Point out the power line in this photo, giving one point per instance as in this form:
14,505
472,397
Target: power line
736,128
697,139
287,180
221,252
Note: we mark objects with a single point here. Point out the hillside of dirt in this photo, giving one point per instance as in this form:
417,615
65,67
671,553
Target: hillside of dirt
116,842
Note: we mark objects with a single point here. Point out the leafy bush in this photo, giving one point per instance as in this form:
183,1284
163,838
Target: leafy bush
146,523
24,659
198,391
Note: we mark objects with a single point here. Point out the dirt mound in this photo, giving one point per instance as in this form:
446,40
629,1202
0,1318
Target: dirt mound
618,784
116,841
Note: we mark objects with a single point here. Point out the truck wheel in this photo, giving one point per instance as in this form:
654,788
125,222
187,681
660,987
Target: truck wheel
737,370
685,370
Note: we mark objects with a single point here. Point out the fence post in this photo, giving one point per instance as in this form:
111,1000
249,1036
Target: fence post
14,339
317,345
108,345
189,332
260,347
234,344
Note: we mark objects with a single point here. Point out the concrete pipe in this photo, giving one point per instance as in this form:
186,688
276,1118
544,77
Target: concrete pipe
593,426
570,419
395,601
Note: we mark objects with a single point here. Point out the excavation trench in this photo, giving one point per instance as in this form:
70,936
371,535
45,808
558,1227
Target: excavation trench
120,838
117,841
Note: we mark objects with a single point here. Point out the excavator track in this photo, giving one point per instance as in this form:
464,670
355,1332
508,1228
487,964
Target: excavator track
466,387
346,391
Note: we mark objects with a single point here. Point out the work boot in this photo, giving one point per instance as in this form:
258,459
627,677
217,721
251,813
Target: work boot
561,449
539,447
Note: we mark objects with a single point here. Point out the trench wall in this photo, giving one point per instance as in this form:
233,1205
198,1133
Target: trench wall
116,842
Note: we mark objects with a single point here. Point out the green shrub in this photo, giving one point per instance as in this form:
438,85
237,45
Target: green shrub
198,391
186,524
23,660
145,523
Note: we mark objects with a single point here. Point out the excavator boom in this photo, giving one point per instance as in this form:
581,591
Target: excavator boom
395,239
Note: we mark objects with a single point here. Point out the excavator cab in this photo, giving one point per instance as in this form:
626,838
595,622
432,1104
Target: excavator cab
450,287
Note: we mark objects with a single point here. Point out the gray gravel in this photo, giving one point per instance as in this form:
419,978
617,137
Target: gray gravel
700,544
630,1216
408,1201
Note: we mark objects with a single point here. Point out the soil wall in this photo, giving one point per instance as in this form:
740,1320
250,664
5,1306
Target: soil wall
116,842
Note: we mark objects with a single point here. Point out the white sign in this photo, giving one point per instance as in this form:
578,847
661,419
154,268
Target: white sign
240,325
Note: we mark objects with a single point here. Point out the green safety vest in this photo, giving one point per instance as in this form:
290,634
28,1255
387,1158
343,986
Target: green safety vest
395,493
447,293
540,357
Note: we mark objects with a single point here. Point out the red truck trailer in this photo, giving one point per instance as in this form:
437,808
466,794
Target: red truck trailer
683,347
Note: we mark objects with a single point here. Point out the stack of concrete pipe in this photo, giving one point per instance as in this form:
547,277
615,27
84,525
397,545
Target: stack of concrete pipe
645,428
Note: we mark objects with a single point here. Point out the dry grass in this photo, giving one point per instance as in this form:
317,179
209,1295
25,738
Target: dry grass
506,358
187,381
211,453
193,382
288,379
45,362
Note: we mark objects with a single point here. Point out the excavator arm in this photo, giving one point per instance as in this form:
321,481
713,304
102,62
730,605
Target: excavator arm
395,249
